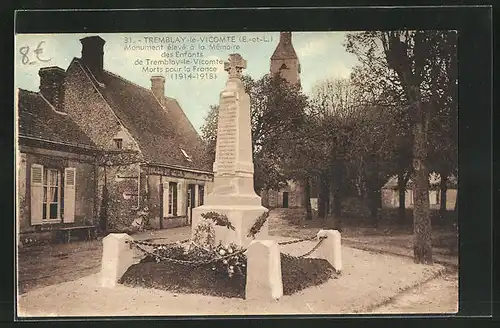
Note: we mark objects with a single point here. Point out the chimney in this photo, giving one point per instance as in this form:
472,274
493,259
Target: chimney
158,88
92,54
52,86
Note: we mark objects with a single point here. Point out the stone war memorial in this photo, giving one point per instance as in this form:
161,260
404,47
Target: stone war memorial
236,223
233,193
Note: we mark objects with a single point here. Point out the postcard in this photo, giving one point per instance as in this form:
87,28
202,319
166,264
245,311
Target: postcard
245,173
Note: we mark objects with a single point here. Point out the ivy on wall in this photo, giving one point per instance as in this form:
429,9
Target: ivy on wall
113,214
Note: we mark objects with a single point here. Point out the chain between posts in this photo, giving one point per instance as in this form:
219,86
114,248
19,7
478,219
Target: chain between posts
297,240
137,244
145,243
193,263
308,253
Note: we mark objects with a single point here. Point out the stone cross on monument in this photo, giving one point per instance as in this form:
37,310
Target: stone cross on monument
233,191
235,66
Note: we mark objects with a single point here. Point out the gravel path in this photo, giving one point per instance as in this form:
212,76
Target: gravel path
368,279
439,295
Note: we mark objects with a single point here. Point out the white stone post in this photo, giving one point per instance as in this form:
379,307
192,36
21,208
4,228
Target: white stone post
330,249
117,257
264,280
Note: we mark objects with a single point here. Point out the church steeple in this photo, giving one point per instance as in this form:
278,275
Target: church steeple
284,60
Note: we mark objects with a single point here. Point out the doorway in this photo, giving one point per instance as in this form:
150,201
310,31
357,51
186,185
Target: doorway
285,199
190,201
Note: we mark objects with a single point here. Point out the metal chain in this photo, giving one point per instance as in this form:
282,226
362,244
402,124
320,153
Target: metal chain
297,240
145,243
136,243
193,263
308,253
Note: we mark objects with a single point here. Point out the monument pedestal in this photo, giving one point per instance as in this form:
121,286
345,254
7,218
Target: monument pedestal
242,217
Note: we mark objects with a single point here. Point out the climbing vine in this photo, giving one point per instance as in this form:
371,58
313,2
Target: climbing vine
118,158
112,202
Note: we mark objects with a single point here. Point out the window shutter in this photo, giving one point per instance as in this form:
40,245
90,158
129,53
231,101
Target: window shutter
180,197
36,194
166,190
69,194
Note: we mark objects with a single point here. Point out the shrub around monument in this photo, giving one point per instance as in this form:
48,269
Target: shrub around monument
182,278
226,278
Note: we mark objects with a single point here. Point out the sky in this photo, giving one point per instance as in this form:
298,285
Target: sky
321,55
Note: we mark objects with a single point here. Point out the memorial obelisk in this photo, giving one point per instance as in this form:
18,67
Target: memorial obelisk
233,191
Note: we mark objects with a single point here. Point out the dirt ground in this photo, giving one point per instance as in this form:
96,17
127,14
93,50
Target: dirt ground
371,279
52,264
439,295
366,279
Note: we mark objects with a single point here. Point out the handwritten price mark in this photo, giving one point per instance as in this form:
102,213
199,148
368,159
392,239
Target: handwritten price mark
25,51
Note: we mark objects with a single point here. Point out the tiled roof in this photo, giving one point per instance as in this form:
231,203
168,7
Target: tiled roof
160,132
38,119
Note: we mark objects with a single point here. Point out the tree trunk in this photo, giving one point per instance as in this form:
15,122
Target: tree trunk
323,198
265,197
402,198
307,199
374,200
337,202
443,187
331,198
422,246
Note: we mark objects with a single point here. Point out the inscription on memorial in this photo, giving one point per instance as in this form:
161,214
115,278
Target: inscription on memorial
226,152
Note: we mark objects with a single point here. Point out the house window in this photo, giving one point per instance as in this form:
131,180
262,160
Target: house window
118,143
51,194
201,193
172,198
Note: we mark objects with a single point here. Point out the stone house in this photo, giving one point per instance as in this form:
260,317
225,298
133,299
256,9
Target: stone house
291,196
153,158
56,172
390,193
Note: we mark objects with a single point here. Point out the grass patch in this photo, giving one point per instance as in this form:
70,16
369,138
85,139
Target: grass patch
297,274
